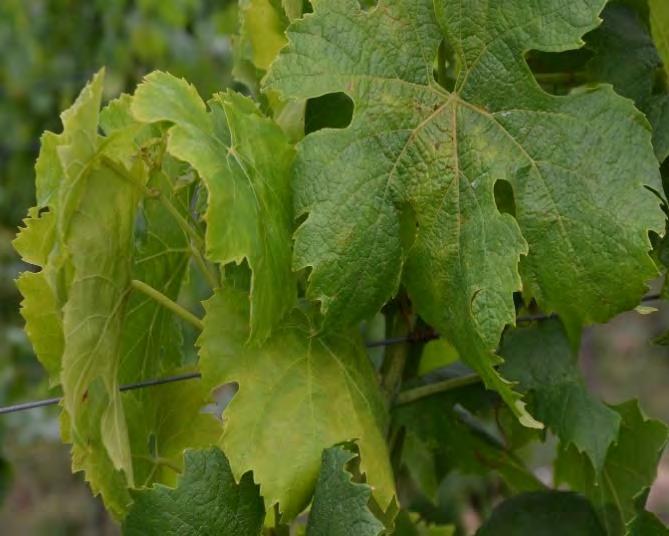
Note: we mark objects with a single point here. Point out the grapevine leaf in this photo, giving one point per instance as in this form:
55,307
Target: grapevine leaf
40,306
206,502
646,524
624,53
299,393
262,30
263,26
44,326
165,420
625,56
439,439
94,201
630,468
90,330
547,513
245,161
659,23
541,360
340,505
417,153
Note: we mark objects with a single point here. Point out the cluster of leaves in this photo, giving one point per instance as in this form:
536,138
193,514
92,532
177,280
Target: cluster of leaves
399,165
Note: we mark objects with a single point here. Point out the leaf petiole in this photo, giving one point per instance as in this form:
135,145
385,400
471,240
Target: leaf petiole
169,304
411,395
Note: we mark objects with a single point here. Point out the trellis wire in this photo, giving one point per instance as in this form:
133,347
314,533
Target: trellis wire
416,338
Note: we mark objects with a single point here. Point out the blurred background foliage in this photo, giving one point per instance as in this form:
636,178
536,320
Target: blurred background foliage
50,48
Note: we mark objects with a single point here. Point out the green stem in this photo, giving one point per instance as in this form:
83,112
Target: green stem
411,395
169,304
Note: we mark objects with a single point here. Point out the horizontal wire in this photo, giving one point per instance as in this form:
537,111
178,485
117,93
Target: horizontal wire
420,337
129,387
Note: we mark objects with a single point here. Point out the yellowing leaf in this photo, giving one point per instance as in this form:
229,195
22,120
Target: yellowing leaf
245,161
90,330
263,25
299,393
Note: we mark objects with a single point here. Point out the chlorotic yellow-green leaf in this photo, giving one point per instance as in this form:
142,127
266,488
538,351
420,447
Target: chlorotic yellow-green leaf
410,183
40,307
162,423
95,202
84,278
263,24
629,470
340,506
206,502
44,325
245,161
659,24
91,331
299,393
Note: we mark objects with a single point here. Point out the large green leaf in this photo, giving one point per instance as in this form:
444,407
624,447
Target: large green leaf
548,513
630,468
299,393
420,160
541,360
245,161
206,502
340,505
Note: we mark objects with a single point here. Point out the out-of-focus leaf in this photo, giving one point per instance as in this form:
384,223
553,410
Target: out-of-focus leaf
547,513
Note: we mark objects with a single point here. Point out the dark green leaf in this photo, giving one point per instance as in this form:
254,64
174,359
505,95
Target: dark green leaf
548,513
630,468
206,502
340,505
541,359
